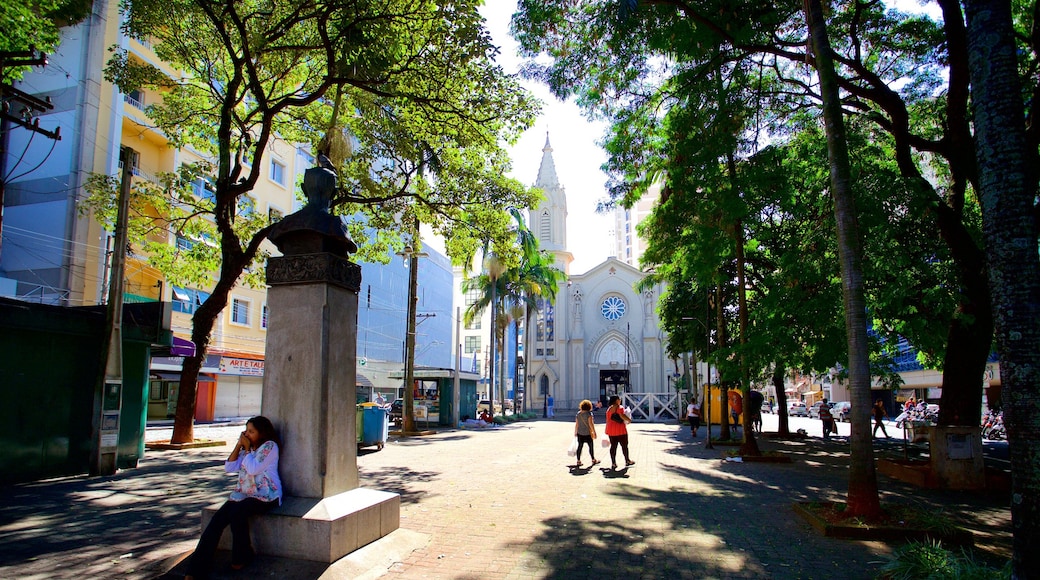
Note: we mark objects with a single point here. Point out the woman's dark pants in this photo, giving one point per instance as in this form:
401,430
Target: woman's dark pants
235,514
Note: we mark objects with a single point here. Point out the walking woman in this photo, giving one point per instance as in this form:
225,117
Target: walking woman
585,430
879,417
617,431
255,459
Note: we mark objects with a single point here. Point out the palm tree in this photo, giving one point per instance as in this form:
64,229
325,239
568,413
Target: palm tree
533,280
490,284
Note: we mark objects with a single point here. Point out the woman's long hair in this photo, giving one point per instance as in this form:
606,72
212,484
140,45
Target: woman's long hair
266,430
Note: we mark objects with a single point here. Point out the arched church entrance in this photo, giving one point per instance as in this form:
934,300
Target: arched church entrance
612,382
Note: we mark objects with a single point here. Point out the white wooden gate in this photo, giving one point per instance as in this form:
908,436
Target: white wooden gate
652,407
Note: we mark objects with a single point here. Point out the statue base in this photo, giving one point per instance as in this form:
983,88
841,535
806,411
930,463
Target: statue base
322,530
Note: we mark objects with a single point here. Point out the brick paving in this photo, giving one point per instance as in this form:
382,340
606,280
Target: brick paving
502,503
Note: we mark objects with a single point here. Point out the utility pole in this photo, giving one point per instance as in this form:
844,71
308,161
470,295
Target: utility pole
108,395
456,390
408,413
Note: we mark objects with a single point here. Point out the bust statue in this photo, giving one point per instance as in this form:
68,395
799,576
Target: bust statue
313,229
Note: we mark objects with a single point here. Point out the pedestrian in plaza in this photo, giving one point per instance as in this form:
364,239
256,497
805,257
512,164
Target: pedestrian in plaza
879,417
550,412
259,489
585,430
828,420
693,415
755,402
617,431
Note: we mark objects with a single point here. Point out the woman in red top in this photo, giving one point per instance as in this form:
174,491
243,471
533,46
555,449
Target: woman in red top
617,431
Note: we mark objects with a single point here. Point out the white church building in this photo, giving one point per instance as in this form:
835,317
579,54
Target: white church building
601,337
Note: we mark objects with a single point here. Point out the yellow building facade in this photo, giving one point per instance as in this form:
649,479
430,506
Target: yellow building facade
53,252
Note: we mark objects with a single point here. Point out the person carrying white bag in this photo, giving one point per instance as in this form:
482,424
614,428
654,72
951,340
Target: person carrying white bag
585,430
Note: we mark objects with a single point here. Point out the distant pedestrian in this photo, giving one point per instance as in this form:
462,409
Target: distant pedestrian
693,415
585,430
879,417
549,410
259,489
617,431
828,420
755,401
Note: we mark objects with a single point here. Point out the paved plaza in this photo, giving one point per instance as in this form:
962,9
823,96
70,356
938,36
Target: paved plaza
498,503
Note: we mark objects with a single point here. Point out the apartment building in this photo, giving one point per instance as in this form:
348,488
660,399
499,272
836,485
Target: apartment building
54,253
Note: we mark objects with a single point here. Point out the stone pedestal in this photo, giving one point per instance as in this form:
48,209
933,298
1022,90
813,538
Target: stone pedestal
322,530
309,371
956,457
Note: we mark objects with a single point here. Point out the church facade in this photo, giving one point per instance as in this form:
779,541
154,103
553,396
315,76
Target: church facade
601,336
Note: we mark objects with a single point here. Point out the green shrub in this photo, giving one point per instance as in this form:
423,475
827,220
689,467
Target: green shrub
930,561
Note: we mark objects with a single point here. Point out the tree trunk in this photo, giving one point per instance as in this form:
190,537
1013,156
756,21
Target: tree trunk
202,323
863,499
1007,187
781,400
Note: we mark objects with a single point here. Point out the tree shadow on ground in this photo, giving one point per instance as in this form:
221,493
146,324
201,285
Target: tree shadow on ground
96,528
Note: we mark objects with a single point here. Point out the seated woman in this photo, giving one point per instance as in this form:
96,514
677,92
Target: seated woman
255,459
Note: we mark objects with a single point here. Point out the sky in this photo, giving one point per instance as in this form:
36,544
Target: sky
590,236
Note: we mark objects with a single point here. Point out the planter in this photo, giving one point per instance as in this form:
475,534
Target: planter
896,531
917,473
196,444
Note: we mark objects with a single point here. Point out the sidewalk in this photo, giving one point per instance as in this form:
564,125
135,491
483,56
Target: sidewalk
497,504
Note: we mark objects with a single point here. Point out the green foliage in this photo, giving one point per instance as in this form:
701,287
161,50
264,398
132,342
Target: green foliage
930,561
411,86
36,24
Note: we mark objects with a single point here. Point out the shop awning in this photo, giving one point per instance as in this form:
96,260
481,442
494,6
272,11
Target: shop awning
182,347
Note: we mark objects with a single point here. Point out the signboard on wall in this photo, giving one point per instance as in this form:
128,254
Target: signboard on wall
241,366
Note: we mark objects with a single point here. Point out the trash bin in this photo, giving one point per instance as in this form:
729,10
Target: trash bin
374,425
359,424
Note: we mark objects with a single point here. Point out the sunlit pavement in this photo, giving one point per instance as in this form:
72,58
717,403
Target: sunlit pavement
505,503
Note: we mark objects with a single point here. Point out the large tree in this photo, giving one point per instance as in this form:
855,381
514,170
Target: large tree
413,82
892,69
1008,186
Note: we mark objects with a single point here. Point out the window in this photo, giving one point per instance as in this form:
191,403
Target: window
545,228
274,214
263,316
472,296
472,344
184,244
240,311
204,189
277,172
187,300
473,324
246,206
135,98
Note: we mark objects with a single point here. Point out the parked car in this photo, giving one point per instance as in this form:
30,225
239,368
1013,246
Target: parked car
841,410
814,411
797,410
397,410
